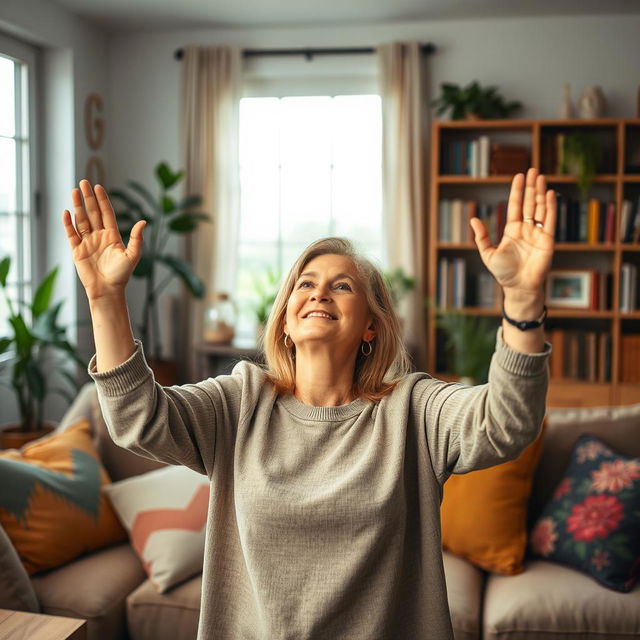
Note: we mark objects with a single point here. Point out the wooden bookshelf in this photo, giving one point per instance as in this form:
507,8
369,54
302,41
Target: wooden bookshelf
617,179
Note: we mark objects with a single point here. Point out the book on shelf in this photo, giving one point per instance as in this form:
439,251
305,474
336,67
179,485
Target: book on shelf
509,159
468,158
630,357
580,355
454,216
628,287
630,221
592,221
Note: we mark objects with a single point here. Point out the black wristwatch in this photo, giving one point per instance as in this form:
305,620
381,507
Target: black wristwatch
525,325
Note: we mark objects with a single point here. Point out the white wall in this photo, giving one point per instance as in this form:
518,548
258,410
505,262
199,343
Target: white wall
529,59
74,64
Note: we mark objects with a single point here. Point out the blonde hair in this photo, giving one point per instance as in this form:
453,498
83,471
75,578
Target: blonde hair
375,375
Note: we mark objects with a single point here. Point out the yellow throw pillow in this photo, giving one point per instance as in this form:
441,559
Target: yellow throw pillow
484,513
51,501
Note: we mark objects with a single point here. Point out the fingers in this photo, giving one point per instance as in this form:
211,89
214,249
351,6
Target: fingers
91,205
481,236
529,205
106,210
551,215
72,234
134,246
81,219
541,199
514,207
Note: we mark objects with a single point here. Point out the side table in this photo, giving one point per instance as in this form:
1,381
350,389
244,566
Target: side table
21,625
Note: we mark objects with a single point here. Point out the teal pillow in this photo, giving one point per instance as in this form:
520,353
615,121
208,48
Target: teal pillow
592,521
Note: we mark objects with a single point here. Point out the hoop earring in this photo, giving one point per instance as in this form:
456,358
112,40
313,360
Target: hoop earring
366,353
286,337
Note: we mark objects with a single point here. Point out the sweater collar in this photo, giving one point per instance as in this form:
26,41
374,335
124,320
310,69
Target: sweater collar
322,414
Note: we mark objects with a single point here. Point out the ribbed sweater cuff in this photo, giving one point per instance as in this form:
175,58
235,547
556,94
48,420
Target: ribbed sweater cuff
124,378
518,363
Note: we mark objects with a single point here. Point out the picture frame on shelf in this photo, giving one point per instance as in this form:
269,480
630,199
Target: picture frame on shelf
569,289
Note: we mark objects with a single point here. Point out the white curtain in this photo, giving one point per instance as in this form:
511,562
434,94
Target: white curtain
211,91
405,117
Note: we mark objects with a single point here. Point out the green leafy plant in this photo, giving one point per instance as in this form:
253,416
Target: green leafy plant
34,333
399,284
473,100
581,156
470,341
265,292
165,216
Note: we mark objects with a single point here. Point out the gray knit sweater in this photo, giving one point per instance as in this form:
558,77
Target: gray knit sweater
324,522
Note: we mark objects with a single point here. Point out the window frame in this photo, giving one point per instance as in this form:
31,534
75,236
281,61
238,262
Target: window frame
27,200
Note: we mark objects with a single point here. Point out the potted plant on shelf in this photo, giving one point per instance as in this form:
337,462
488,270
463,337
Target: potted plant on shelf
34,332
581,154
165,216
471,343
473,102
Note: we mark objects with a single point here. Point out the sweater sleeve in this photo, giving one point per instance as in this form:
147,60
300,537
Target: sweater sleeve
178,424
473,427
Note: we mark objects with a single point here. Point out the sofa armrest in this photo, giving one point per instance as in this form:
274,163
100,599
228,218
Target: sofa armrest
80,408
16,590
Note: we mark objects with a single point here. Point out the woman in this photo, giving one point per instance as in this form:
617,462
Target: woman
327,468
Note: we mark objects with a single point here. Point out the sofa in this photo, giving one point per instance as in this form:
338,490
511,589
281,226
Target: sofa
109,587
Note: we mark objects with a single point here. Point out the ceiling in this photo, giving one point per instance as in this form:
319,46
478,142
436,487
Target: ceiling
163,15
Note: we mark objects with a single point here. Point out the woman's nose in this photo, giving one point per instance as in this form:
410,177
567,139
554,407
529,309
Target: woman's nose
320,293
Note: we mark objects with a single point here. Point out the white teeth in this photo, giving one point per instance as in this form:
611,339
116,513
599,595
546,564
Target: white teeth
318,314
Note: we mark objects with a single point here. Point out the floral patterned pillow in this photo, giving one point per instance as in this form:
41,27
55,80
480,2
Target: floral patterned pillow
592,522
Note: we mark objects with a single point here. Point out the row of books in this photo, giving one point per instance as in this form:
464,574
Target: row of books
592,221
454,216
629,295
630,357
580,355
457,287
480,158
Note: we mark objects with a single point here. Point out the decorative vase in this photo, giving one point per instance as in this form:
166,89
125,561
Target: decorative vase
592,103
219,319
566,107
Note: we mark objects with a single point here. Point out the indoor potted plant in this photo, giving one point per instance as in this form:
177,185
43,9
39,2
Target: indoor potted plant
34,333
399,284
265,287
471,342
473,102
581,154
157,267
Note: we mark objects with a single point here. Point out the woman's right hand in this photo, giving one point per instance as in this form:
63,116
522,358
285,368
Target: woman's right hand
103,263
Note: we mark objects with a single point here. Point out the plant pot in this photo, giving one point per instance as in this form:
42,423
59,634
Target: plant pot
165,372
12,437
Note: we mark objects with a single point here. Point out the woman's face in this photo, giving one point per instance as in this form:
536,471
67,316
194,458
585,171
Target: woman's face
328,305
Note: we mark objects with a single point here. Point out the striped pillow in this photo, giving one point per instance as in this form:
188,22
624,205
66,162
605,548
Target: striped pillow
165,513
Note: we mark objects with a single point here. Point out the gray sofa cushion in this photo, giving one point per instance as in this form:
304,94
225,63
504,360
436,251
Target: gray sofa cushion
552,602
465,583
16,592
118,462
167,616
93,587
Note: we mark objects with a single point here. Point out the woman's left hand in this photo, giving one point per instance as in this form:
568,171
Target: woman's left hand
522,259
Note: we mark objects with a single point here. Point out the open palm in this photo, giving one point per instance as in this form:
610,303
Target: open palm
522,259
103,263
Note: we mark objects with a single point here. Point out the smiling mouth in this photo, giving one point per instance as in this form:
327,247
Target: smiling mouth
319,314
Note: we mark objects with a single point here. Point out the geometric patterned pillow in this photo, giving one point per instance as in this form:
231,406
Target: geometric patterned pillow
165,513
592,522
51,502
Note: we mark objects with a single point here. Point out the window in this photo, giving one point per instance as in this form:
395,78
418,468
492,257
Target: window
16,80
310,166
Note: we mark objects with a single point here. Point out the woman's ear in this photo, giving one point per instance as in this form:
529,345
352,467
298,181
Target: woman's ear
370,332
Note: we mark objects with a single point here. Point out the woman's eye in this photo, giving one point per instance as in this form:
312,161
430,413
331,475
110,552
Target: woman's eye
344,286
305,283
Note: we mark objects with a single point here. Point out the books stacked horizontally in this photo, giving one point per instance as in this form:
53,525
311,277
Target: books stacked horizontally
580,355
629,296
509,159
457,287
592,221
454,216
630,357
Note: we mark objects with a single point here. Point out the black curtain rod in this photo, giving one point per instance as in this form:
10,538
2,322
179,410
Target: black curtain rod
309,53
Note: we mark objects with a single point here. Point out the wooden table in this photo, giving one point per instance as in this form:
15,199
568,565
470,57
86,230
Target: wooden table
20,625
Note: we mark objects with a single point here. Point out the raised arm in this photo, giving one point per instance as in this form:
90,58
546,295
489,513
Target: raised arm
104,266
